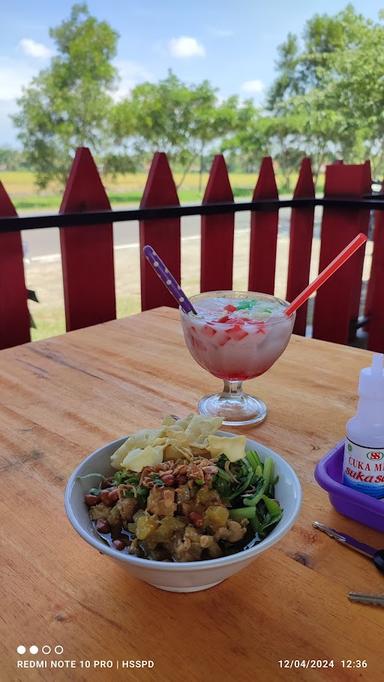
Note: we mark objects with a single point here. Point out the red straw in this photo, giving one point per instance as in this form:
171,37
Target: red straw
326,273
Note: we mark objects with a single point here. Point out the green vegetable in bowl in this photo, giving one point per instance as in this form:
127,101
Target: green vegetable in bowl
254,488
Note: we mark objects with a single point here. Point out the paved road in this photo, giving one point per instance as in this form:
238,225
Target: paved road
43,244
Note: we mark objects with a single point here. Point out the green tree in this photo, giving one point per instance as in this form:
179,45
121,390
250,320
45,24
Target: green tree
328,88
11,159
67,105
250,138
182,120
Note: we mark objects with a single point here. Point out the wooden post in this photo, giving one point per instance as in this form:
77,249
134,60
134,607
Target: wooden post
300,243
14,315
87,251
364,217
335,303
264,225
374,307
217,232
162,234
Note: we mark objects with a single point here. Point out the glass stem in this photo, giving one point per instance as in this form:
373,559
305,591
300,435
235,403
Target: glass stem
233,390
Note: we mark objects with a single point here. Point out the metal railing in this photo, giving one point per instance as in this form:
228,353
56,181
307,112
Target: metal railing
15,223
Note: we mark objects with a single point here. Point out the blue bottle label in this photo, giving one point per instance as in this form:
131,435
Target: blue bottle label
363,468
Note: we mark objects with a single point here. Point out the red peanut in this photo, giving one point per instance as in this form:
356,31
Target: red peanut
114,495
91,500
109,497
196,519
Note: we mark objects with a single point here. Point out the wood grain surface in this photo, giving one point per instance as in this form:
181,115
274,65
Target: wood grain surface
62,398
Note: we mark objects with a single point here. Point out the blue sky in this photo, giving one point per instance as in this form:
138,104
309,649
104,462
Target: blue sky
233,43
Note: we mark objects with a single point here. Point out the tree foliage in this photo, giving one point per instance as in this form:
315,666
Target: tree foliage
11,159
250,138
327,101
67,105
176,118
328,87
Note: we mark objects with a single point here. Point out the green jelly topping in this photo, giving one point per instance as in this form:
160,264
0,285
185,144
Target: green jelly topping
246,305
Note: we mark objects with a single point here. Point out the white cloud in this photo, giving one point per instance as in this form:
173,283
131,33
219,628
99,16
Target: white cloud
130,73
185,46
254,87
33,49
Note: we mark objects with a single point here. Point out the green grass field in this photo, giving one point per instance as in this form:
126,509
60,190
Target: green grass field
124,189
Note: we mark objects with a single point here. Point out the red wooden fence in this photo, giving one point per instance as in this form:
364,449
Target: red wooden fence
300,244
87,251
87,254
162,234
14,316
375,297
217,232
262,249
338,299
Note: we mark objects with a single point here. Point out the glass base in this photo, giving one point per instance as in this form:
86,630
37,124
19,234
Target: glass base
235,411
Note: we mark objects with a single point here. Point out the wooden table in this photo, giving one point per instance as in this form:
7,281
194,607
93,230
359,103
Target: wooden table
62,398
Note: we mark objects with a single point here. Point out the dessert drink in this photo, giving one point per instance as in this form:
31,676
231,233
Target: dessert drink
237,335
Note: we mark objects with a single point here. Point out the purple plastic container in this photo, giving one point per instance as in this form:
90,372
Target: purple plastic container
358,506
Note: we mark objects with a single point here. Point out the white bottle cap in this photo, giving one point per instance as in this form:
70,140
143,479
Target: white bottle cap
371,383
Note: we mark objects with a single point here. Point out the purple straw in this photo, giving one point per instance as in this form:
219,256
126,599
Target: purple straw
168,280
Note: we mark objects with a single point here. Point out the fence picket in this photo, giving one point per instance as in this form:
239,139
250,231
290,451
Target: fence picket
300,243
87,252
365,220
162,235
335,303
217,232
14,315
374,307
264,226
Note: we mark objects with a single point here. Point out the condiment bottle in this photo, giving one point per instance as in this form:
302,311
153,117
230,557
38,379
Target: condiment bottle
363,466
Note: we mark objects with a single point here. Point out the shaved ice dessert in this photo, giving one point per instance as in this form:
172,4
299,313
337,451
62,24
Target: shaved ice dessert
237,335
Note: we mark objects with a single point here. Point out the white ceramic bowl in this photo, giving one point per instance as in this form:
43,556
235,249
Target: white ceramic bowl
186,576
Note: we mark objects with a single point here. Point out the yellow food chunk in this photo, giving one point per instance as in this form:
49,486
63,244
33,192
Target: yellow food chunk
215,517
139,458
145,525
231,447
207,496
167,528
